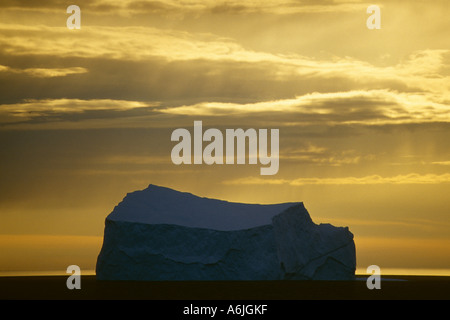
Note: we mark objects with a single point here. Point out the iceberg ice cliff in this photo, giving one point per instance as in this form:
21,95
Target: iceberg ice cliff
162,234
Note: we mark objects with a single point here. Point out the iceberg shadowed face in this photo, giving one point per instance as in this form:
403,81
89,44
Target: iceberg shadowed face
161,234
214,151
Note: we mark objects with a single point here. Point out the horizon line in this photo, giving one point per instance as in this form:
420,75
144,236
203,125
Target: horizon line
443,272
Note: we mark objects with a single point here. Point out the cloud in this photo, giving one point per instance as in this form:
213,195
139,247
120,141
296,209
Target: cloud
373,107
185,7
137,43
208,75
441,163
62,109
350,107
347,157
412,178
123,43
44,72
44,4
127,172
284,7
216,66
308,153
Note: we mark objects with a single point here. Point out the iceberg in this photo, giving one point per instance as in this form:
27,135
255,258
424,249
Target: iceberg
160,234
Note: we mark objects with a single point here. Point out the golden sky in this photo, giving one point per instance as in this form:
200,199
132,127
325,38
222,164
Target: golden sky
87,115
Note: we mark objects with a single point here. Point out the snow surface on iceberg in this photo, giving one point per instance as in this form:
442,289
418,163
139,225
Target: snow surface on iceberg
159,205
162,234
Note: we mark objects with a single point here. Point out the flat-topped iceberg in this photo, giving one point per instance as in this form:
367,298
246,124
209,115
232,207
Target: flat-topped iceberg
162,234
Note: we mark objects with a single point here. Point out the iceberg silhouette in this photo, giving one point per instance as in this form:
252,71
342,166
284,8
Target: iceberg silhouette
162,234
